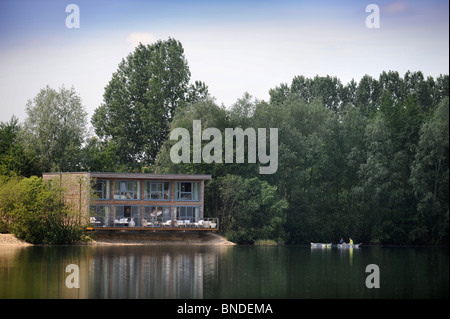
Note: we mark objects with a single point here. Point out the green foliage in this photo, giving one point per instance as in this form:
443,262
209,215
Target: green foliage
210,115
54,129
250,210
366,160
34,212
101,156
430,178
350,165
140,101
14,158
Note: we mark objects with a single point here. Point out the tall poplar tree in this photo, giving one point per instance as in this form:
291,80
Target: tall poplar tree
140,100
54,129
430,177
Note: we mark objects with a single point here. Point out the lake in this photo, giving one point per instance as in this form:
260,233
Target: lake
217,272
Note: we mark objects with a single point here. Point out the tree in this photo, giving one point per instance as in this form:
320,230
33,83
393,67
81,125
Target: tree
250,210
375,184
302,174
328,89
368,95
210,115
101,156
14,158
35,212
54,129
430,178
354,160
242,111
141,99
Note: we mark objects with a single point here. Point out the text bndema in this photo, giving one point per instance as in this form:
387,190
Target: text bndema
226,308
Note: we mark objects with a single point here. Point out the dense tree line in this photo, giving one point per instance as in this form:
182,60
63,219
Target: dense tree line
367,160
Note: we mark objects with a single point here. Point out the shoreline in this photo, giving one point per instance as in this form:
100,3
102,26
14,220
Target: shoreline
9,240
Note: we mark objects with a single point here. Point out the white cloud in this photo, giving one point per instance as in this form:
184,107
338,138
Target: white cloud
135,38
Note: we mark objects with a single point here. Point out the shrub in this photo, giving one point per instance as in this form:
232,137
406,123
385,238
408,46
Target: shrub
36,213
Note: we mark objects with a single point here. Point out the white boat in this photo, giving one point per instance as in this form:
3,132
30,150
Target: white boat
321,245
348,245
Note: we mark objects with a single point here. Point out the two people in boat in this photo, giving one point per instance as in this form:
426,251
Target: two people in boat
350,241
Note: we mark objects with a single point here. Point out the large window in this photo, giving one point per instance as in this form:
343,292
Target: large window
127,190
156,214
154,190
100,215
126,215
191,213
102,189
189,191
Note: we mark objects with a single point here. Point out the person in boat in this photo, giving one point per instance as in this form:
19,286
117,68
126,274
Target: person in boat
350,241
341,241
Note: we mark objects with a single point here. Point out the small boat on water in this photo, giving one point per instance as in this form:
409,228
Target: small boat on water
348,245
320,245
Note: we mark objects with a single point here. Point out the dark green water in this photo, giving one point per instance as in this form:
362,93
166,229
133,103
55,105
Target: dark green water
269,272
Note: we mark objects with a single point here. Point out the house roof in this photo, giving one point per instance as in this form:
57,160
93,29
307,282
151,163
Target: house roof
141,176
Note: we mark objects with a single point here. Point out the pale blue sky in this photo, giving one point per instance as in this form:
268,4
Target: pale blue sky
233,46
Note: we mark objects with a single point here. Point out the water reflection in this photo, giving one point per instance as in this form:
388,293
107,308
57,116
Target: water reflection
108,272
187,272
148,272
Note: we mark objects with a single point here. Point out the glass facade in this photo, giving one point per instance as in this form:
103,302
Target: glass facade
154,190
146,203
154,215
127,190
127,215
189,213
187,191
100,216
102,189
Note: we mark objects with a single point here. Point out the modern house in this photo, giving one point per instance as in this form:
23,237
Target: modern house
137,200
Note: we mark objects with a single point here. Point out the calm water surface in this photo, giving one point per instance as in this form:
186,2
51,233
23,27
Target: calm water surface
174,272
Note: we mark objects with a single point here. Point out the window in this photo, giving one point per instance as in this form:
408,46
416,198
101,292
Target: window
100,215
189,191
126,190
102,189
126,214
153,214
156,190
191,213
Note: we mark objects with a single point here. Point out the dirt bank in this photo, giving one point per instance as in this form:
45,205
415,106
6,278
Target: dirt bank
138,239
11,240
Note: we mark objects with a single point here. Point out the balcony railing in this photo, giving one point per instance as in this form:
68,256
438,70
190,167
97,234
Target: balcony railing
205,223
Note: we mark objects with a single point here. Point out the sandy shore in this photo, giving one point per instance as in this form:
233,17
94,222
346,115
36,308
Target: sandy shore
11,240
210,239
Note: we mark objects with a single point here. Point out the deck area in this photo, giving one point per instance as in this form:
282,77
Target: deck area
204,225
153,229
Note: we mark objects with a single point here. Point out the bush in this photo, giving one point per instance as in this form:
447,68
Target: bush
251,210
34,211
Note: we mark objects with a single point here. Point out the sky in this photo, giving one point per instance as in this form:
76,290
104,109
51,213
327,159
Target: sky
233,46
